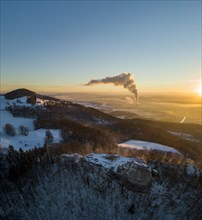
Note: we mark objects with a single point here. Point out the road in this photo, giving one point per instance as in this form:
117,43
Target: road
183,119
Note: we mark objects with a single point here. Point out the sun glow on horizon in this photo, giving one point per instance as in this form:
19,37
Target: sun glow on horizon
199,90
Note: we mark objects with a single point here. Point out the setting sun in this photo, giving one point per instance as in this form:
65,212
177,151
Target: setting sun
199,90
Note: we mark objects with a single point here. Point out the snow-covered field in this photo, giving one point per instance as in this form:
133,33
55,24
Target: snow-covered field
35,138
6,117
144,145
19,102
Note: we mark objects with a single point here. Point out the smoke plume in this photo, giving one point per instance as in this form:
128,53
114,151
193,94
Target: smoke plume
129,100
125,79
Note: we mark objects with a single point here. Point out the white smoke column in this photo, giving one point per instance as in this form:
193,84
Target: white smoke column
129,100
125,79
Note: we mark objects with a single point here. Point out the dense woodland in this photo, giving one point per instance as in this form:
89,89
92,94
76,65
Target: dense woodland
30,182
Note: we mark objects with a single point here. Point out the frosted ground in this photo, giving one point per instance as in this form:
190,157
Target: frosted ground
35,138
145,145
109,162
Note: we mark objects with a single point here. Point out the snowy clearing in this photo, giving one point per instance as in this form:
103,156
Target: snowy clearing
35,138
111,161
22,101
144,145
7,117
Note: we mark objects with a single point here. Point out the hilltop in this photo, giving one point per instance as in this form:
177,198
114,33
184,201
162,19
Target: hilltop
18,93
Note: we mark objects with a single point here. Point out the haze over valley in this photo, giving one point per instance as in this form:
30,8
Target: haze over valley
100,110
174,107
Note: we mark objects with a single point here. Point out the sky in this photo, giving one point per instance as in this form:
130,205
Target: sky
60,45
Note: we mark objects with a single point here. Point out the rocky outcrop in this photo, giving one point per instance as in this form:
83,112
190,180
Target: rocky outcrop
132,173
101,187
135,176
